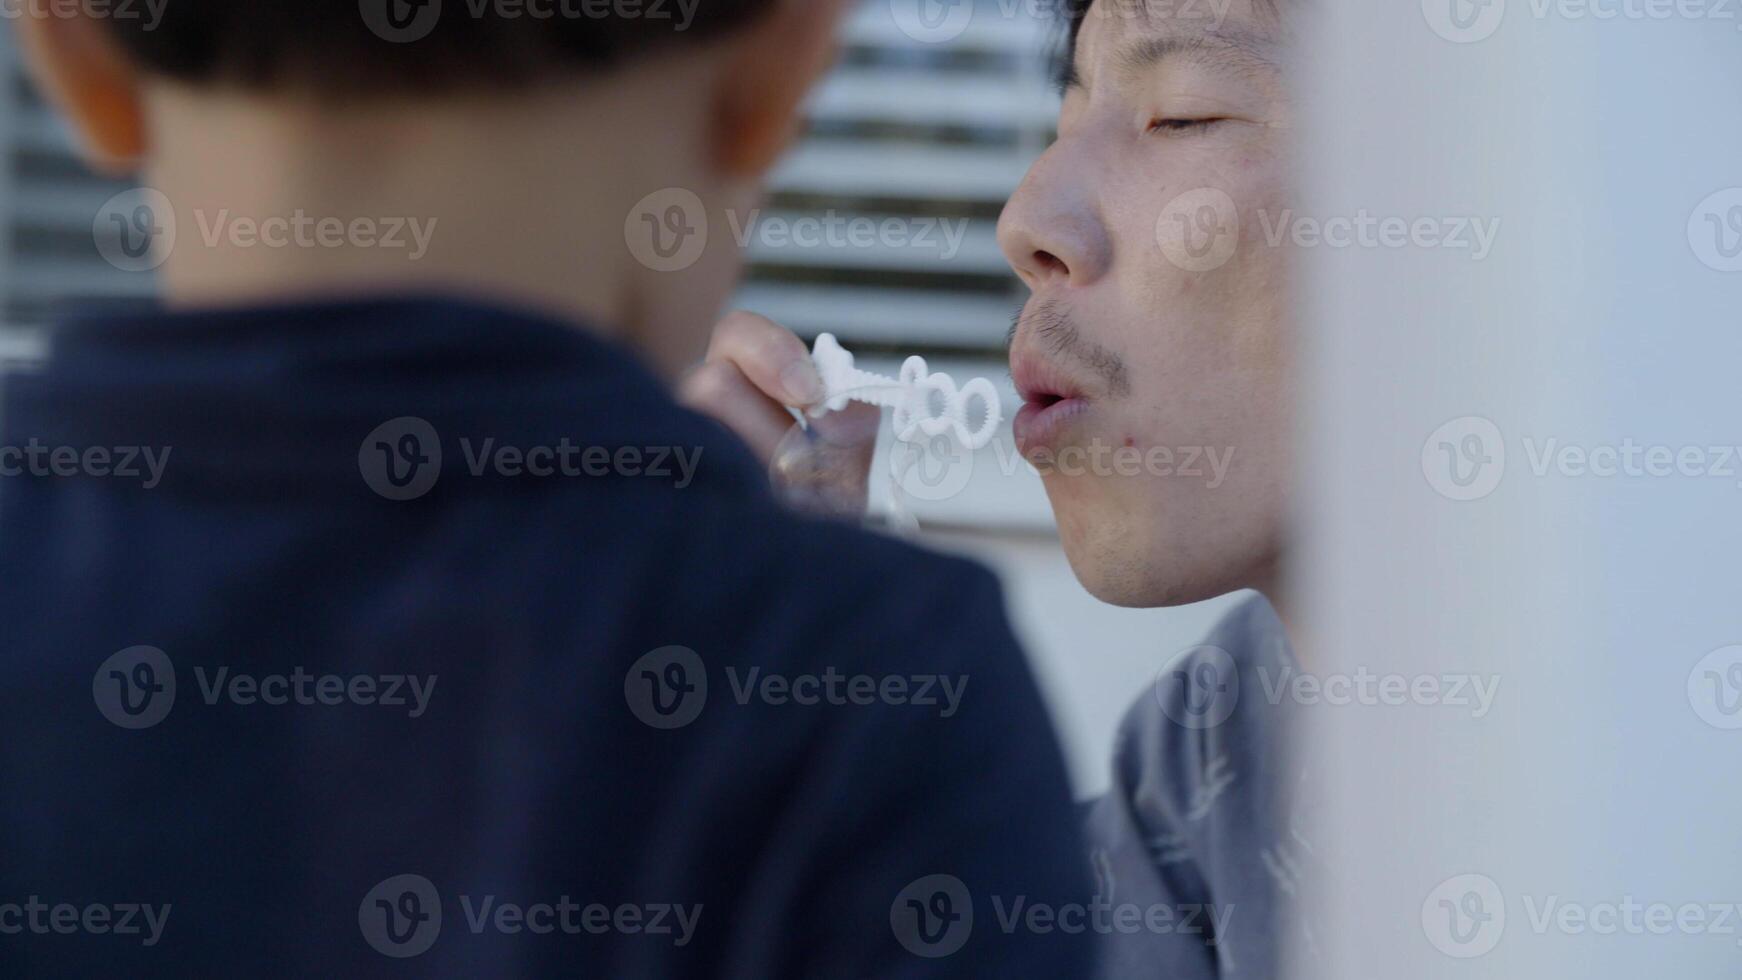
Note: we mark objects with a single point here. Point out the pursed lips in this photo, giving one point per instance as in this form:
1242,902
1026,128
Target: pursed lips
1052,400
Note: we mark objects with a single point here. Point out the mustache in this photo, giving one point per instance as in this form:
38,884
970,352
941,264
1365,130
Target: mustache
1049,323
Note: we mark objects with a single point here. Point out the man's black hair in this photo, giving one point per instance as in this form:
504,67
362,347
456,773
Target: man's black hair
1072,14
355,48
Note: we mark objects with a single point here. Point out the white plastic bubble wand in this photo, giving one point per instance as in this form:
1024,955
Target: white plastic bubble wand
924,405
918,415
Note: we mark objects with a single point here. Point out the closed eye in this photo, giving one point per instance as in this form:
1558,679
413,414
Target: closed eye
1182,126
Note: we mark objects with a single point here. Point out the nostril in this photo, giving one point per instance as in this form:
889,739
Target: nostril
1050,264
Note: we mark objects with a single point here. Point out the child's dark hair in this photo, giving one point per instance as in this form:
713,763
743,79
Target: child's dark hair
356,48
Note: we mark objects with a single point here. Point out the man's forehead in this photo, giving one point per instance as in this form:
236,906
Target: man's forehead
1132,36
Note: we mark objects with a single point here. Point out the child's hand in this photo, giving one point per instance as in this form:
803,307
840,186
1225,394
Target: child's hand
755,373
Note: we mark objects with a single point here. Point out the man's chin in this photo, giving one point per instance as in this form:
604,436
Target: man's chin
1105,581
1118,563
1103,559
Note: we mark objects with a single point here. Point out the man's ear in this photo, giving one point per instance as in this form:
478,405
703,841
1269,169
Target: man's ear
769,68
82,73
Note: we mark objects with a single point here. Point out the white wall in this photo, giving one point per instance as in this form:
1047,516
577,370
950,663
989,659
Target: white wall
1597,780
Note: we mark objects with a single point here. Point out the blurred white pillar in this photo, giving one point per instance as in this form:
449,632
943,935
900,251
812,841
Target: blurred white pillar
1608,314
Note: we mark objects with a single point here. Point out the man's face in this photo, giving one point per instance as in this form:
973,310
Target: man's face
1153,354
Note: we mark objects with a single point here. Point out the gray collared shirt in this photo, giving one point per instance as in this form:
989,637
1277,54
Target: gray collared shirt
1194,850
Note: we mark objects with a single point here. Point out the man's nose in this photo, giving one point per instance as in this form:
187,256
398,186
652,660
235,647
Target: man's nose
1051,231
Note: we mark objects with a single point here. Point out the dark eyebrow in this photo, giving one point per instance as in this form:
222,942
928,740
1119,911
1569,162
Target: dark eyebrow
1236,52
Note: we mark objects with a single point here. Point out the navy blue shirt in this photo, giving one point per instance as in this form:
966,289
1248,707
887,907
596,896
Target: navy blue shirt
420,637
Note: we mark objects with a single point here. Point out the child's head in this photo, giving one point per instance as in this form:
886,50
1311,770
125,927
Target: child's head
348,49
527,133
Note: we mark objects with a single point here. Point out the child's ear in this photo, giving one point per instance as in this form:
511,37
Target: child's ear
82,73
768,69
